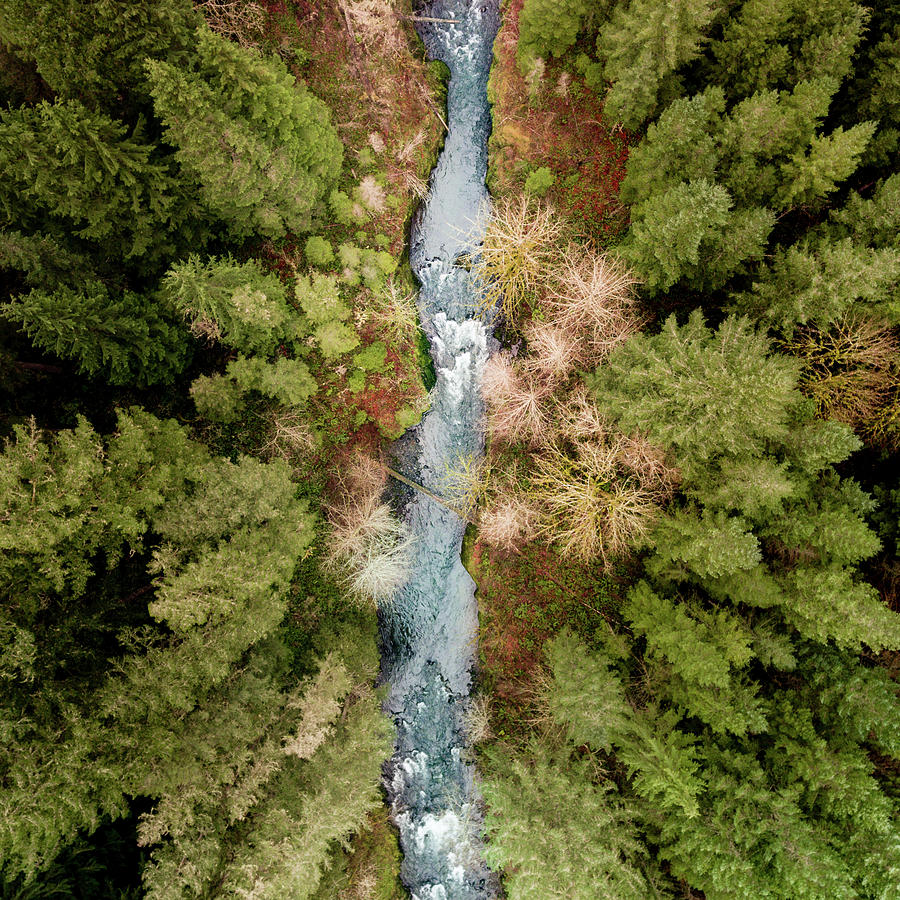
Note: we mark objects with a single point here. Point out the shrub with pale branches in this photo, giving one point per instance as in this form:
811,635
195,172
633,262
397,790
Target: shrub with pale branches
517,402
594,299
375,23
477,719
578,417
241,21
289,435
395,313
370,549
465,483
589,506
516,251
553,351
508,522
371,195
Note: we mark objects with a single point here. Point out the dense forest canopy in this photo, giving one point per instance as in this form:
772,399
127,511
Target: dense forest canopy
685,528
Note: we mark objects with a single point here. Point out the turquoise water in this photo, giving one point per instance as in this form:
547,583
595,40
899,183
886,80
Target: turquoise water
429,633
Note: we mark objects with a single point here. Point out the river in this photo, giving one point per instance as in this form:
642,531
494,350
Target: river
430,631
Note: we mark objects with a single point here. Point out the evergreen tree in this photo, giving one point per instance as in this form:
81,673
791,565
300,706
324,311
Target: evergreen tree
682,144
261,146
819,281
44,261
548,27
829,160
124,340
235,302
692,232
558,834
94,50
877,90
874,222
110,699
764,136
641,48
78,171
687,387
779,43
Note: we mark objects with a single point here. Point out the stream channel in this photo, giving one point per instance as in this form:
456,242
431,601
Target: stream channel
429,633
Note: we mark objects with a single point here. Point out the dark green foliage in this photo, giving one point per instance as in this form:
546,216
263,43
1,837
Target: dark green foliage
557,834
124,340
94,50
79,171
819,281
873,222
236,303
705,184
692,232
261,146
755,566
688,387
42,260
176,689
547,27
642,46
779,43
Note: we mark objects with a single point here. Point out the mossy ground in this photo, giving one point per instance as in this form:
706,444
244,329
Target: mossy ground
556,121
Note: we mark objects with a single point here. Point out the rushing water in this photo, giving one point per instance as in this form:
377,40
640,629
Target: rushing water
429,633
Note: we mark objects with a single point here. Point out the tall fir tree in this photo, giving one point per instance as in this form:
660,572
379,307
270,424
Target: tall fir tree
261,146
641,48
73,170
100,60
125,339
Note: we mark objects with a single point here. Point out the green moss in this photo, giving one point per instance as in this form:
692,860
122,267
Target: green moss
539,182
426,363
372,358
318,251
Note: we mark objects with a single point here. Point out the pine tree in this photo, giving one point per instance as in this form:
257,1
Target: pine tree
877,88
874,222
105,45
261,146
587,696
820,281
237,303
43,260
642,46
830,159
779,43
80,172
691,231
548,27
313,805
557,834
687,387
124,340
764,133
167,698
681,144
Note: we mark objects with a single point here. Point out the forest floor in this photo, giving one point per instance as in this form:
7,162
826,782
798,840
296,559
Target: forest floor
552,119
524,599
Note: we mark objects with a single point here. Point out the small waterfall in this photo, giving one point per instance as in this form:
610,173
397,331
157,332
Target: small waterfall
430,632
